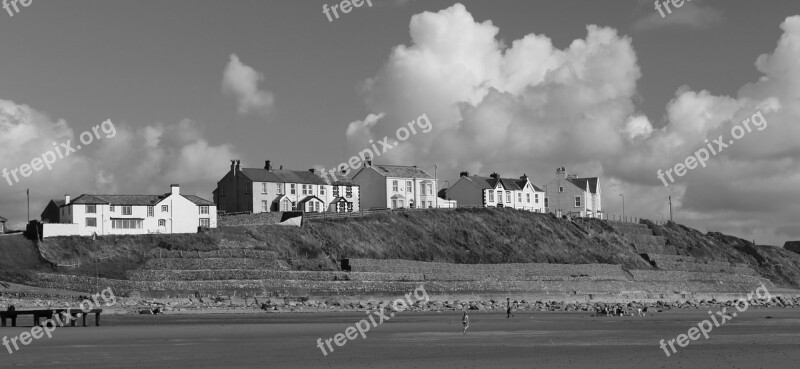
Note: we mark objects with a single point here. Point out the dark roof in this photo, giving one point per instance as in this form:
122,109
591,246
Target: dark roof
341,180
118,199
486,183
401,171
198,200
581,183
132,200
282,176
309,198
3,219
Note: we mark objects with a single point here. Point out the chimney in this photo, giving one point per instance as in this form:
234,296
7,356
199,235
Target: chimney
495,175
66,199
312,170
561,172
524,177
238,166
465,174
233,165
176,189
268,165
369,160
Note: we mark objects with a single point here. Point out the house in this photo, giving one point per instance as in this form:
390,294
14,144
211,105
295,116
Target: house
259,190
570,195
396,186
52,212
3,228
132,214
495,191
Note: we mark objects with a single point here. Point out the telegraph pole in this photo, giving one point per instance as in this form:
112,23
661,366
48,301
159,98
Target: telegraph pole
436,182
28,191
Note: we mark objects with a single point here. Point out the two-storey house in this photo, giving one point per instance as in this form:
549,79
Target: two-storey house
571,195
268,189
173,212
395,186
495,191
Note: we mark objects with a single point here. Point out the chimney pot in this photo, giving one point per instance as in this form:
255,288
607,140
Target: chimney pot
312,170
465,174
268,165
495,175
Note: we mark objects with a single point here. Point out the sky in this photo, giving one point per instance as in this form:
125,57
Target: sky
171,91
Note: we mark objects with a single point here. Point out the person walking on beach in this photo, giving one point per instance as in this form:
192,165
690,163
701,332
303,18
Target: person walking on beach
508,308
465,321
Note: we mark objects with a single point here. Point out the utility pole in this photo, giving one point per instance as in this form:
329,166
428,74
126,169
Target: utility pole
623,205
670,208
28,191
436,182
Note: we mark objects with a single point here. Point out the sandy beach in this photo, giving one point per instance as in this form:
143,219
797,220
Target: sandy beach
757,338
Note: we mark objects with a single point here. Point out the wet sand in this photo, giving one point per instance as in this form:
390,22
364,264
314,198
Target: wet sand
414,340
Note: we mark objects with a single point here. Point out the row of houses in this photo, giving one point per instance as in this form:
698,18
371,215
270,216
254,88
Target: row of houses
269,189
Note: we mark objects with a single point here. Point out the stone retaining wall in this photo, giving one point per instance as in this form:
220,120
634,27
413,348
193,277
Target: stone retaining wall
232,253
272,287
680,276
507,271
213,263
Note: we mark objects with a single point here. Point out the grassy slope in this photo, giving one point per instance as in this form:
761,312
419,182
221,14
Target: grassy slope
459,236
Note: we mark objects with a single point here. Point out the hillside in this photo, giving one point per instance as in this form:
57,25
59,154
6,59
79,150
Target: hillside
460,236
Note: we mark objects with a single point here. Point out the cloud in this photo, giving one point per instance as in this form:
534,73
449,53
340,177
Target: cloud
530,107
134,161
691,15
241,81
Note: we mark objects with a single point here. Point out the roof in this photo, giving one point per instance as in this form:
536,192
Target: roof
487,183
131,200
309,198
401,171
3,220
339,179
581,183
282,176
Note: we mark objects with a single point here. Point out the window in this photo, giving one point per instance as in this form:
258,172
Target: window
126,223
127,210
293,189
205,222
150,211
165,208
204,210
430,189
536,198
222,191
285,205
519,197
335,191
162,223
545,202
577,201
112,208
91,209
264,187
408,186
491,196
306,190
264,205
349,191
91,222
280,188
499,196
508,196
394,203
350,207
322,190
528,198
560,189
394,186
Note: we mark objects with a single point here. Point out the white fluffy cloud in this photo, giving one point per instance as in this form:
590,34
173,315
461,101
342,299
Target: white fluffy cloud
530,107
134,161
241,81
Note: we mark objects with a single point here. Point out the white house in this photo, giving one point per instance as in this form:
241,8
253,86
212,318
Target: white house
132,214
494,191
569,194
259,190
395,186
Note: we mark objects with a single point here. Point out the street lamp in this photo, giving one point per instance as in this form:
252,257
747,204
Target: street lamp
623,205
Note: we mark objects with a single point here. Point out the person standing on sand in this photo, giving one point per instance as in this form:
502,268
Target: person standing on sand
465,321
508,308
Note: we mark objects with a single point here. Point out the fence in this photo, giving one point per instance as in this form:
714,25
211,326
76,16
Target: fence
630,219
